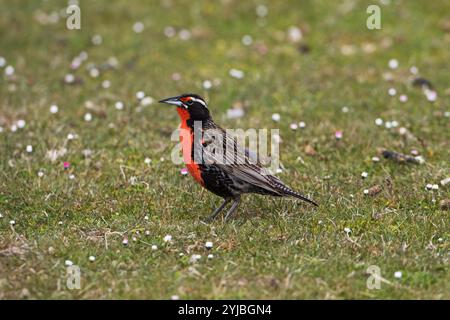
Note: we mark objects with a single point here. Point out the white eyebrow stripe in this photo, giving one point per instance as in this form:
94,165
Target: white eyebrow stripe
199,101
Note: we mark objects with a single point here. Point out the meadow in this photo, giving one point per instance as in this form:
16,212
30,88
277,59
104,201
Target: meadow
85,149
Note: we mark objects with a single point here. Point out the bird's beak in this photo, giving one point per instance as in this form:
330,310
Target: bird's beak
173,100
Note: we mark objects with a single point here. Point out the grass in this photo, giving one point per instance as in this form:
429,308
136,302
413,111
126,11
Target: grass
273,248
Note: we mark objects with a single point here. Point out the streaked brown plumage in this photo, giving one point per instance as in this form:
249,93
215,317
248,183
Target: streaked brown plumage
240,173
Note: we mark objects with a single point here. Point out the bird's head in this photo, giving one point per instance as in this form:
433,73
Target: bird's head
191,105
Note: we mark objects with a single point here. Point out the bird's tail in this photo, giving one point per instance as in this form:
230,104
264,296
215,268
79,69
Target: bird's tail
297,195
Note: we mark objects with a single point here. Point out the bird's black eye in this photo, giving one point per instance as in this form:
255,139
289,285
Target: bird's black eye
190,102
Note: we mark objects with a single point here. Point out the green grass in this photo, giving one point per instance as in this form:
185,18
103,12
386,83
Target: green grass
273,248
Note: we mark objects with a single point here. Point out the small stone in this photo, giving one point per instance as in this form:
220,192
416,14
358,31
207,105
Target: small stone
445,181
372,191
445,204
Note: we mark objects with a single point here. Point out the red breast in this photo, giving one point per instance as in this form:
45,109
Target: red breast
187,139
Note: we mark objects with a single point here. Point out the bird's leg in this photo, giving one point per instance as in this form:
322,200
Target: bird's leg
217,211
232,209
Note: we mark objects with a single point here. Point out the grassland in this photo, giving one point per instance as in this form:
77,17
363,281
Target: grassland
273,248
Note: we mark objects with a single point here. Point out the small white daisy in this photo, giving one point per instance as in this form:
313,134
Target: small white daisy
88,117
208,245
247,40
276,117
138,27
393,63
207,84
54,109
119,105
91,258
21,123
68,263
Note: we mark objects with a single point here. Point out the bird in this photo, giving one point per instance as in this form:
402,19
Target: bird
239,174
